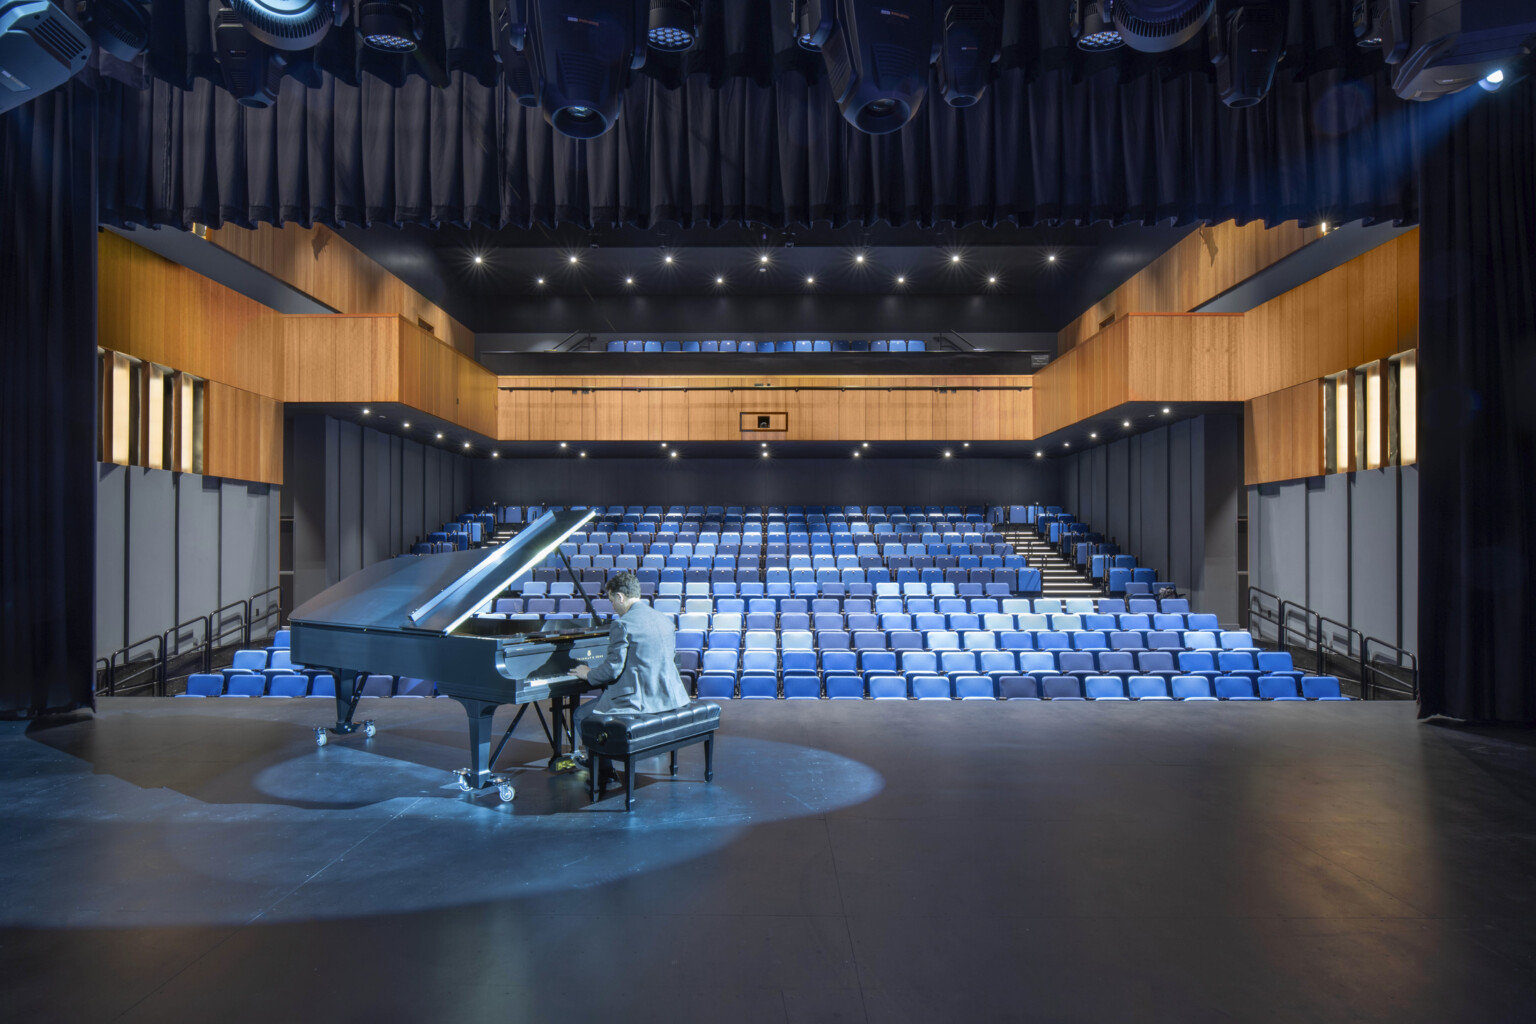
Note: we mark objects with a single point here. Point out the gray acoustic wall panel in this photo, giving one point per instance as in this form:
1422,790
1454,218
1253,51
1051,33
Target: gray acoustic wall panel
111,558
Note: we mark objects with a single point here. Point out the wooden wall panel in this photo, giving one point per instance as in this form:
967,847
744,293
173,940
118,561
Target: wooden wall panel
1185,358
161,312
1195,270
1361,311
1283,434
335,358
242,435
687,411
322,265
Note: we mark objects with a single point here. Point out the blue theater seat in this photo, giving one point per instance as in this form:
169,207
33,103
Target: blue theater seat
1321,688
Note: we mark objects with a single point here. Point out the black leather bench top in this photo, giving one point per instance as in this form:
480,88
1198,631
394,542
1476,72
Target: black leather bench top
623,734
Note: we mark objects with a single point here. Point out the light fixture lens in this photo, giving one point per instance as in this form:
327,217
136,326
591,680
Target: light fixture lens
582,454
365,412
1093,436
674,455
562,444
573,257
1166,410
629,280
1497,78
991,280
1051,258
954,258
810,280
965,444
719,280
666,259
901,280
855,454
1125,423
540,281
479,259
948,454
864,445
764,444
407,426
763,258
663,444
495,455
765,455
466,444
1039,455
859,258
439,437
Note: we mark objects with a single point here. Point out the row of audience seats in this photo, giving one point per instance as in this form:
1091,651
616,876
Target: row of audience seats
802,346
752,686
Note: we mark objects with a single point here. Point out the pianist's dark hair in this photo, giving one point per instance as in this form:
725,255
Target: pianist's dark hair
623,583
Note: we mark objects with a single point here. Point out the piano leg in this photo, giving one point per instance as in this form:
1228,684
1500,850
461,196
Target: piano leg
347,693
477,775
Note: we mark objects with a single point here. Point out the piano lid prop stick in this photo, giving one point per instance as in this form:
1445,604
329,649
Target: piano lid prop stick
579,588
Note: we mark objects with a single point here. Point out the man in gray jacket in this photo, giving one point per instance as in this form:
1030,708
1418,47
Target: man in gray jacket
639,675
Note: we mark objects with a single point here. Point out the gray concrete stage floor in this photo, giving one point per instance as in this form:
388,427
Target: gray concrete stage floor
184,860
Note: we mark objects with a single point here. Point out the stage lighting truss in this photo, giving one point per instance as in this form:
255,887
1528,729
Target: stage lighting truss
1092,26
1156,26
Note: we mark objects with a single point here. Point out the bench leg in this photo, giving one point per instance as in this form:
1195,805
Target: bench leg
629,783
595,766
674,762
709,758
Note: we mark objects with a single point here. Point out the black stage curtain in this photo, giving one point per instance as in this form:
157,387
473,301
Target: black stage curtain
47,402
745,131
1477,433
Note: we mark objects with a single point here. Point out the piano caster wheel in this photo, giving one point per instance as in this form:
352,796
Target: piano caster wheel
321,739
504,788
463,774
369,729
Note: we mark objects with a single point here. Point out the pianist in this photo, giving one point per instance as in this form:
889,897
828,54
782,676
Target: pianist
639,675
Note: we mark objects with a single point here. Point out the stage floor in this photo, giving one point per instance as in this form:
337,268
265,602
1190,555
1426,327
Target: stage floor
181,860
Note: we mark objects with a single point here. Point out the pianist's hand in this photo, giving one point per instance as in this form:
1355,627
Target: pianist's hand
581,671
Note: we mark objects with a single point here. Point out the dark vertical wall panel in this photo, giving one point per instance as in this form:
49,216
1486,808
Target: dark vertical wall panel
1223,475
349,499
1155,492
1327,546
197,542
409,495
1185,512
1409,549
304,478
111,557
377,497
1374,544
1135,501
1118,523
151,552
764,482
1334,544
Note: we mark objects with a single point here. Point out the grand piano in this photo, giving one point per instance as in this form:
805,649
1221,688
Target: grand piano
413,616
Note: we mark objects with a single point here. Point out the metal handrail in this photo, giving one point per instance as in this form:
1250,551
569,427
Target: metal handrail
1319,635
214,634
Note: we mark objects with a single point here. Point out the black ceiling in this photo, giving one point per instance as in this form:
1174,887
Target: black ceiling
1049,275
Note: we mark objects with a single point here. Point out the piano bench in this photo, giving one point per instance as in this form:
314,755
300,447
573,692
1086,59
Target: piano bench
631,738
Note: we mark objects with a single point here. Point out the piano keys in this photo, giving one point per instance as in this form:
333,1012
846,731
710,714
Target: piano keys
414,616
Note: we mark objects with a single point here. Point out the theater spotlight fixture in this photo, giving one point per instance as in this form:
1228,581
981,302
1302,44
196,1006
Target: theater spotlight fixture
969,45
251,70
1092,27
877,60
1247,40
286,24
1448,46
394,26
581,57
813,22
1156,26
671,26
120,27
41,48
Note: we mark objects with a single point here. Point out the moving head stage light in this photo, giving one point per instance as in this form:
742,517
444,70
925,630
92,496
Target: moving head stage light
581,57
877,58
1155,26
1448,45
1247,40
40,49
968,47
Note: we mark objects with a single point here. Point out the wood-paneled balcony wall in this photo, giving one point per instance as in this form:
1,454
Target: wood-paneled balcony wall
842,408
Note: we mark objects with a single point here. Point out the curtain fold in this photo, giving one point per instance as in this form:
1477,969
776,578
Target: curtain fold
1105,143
1477,419
47,403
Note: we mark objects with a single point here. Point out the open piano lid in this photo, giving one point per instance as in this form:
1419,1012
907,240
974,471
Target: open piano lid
434,593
